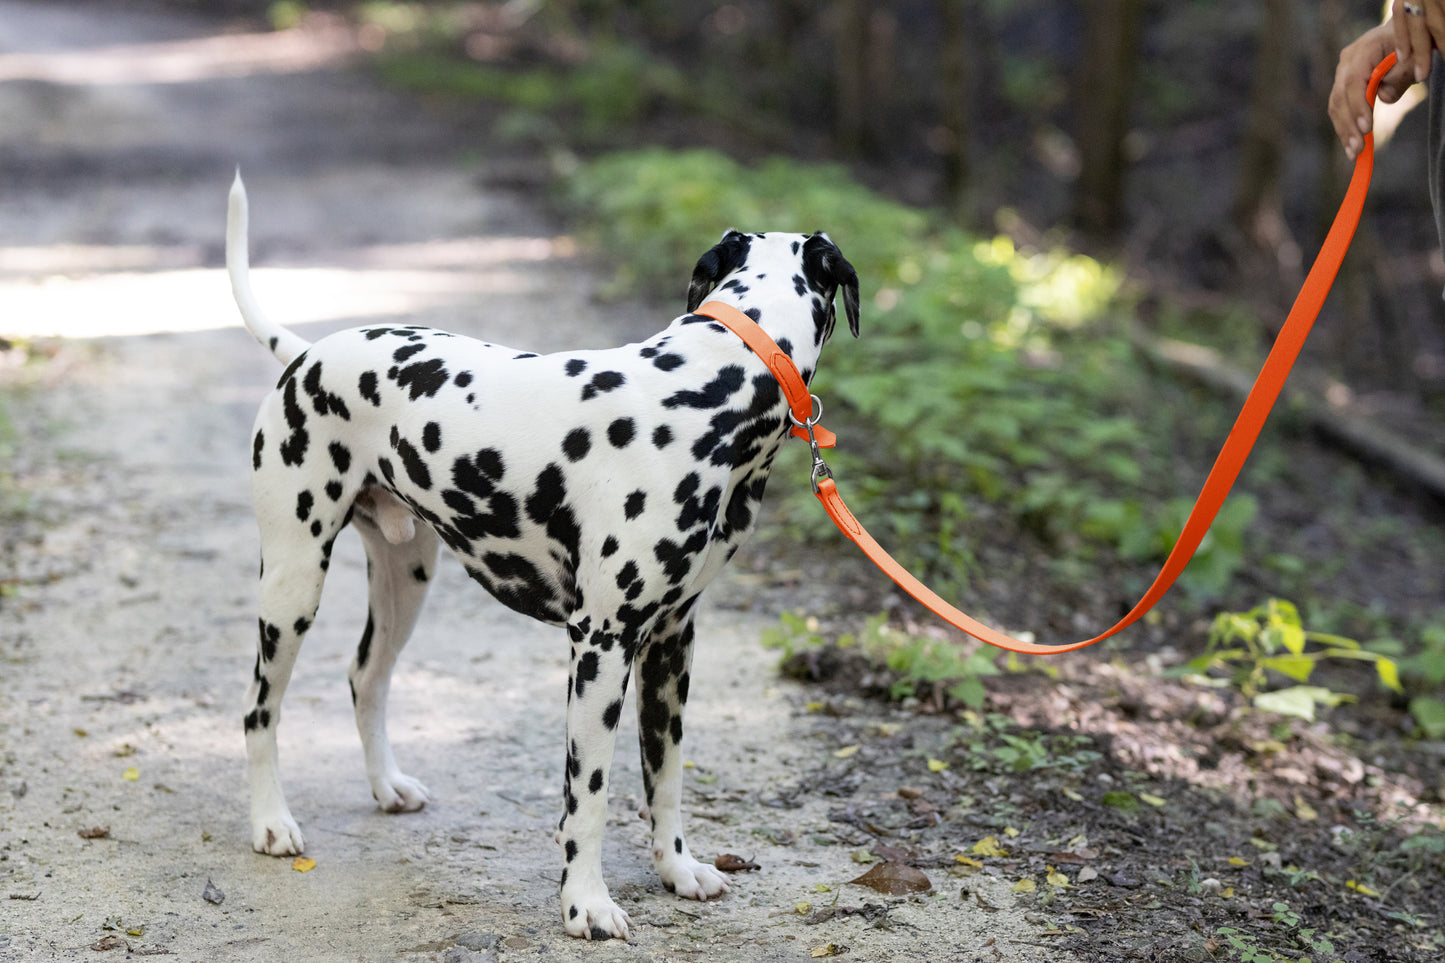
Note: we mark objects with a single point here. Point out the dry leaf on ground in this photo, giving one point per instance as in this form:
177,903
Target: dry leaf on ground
894,879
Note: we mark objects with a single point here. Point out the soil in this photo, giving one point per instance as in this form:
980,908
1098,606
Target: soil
1096,810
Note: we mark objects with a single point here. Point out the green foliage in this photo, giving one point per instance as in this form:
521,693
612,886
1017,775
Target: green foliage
919,664
994,743
796,633
991,375
1270,640
615,87
1288,927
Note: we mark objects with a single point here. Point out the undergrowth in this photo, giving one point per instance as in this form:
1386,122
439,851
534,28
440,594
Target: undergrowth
994,378
997,391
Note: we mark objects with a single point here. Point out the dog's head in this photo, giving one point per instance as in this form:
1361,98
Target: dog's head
811,261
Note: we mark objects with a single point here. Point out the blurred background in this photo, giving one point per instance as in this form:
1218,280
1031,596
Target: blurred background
1187,141
1078,225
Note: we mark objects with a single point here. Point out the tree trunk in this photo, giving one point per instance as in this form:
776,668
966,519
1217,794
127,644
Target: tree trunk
849,71
1257,210
1111,47
957,75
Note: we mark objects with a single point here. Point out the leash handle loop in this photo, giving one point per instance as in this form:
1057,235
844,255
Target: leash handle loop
1217,485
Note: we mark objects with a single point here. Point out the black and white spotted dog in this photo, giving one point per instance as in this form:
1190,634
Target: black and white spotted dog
597,490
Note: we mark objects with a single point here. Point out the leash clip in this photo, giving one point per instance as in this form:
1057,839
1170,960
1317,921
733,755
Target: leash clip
820,467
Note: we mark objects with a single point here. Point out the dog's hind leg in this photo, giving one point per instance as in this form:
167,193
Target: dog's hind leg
397,574
662,681
293,566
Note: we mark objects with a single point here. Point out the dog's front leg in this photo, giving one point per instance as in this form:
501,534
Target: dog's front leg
597,685
662,683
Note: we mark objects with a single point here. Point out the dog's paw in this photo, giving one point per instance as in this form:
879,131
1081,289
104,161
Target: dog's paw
594,918
277,836
691,879
398,793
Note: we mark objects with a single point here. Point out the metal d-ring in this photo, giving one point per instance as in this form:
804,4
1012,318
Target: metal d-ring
820,467
813,419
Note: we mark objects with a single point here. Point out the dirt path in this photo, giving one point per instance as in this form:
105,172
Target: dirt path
126,580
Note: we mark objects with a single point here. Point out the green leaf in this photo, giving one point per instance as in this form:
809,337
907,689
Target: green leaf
1429,712
1299,701
1297,667
1119,799
1389,674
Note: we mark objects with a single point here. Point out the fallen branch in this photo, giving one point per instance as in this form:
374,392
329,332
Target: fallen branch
1355,433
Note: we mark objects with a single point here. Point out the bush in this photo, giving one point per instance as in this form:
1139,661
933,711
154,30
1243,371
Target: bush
990,377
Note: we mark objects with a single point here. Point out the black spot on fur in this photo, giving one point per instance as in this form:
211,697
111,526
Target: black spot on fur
293,449
304,501
411,460
575,367
668,362
577,444
627,575
363,651
406,351
270,638
571,855
322,400
609,547
291,369
612,714
517,584
661,437
714,394
302,624
340,456
431,437
423,377
603,382
594,784
587,668
256,444
419,574
636,502
547,495
366,384
462,379
621,432
677,559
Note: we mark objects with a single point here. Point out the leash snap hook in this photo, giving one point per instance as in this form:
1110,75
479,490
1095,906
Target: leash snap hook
820,467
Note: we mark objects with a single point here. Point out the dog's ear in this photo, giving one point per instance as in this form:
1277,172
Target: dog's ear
726,256
826,264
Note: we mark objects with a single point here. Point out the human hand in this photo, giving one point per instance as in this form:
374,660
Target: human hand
1350,111
1419,28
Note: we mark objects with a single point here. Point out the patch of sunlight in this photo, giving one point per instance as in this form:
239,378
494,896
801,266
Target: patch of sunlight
93,291
112,305
185,61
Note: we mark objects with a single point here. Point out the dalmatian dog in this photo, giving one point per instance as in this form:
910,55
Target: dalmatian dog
599,491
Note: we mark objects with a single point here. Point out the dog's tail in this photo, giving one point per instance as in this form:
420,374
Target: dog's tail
282,343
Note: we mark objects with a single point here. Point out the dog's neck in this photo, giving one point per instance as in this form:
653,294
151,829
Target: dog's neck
797,324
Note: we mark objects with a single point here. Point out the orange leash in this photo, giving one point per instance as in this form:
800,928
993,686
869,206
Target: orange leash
805,410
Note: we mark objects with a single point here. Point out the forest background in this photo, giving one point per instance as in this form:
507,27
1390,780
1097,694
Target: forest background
1078,227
